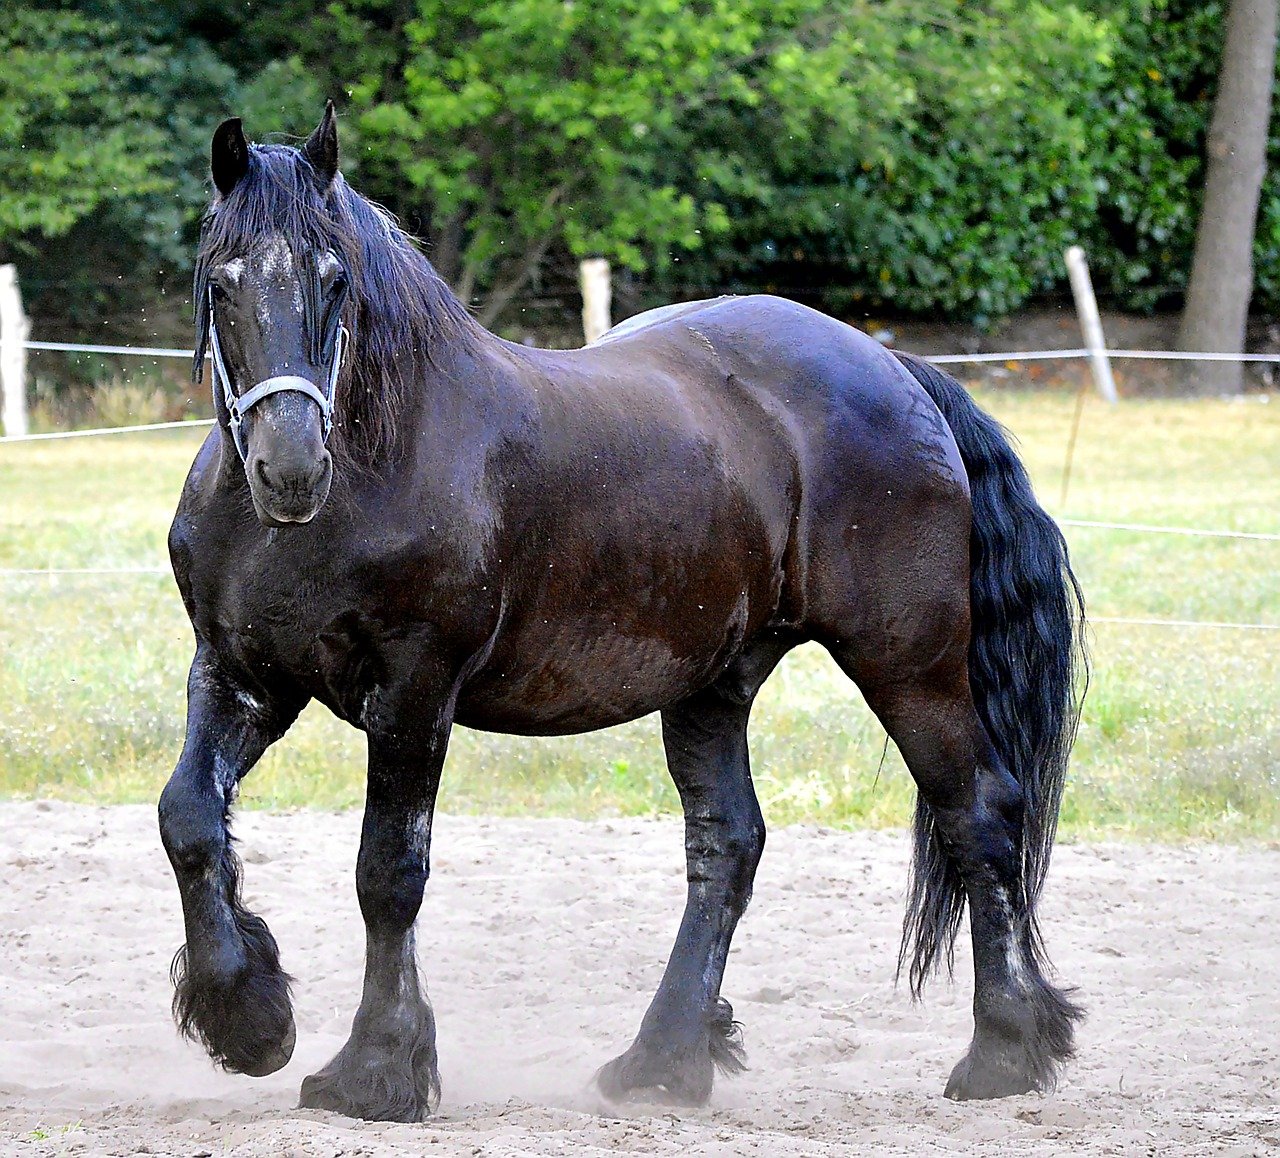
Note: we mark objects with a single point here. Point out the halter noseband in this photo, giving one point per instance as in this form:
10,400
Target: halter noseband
238,405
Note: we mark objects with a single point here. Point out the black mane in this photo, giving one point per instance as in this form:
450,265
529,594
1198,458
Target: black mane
399,305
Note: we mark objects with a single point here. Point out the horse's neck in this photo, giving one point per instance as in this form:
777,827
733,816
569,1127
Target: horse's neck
453,396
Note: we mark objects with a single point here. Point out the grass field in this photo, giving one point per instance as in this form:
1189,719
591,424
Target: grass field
1180,736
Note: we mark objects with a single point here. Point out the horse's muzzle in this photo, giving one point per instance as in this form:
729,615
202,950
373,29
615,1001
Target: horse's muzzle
289,491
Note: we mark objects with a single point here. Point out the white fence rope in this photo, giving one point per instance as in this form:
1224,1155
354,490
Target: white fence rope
1137,528
58,434
54,572
1149,529
1135,621
940,359
1025,356
1147,355
140,351
937,359
171,352
1182,623
1192,356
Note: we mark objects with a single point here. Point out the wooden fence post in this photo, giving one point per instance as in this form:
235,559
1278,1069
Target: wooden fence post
1090,322
596,297
14,328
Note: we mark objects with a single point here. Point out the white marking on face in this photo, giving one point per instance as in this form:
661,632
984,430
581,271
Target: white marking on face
234,269
275,264
277,258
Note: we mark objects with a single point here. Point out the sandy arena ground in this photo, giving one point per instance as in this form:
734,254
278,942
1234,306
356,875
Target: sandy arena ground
542,941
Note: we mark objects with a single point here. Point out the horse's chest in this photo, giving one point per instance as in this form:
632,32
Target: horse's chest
312,637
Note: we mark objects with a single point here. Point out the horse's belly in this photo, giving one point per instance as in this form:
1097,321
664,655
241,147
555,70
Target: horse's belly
574,680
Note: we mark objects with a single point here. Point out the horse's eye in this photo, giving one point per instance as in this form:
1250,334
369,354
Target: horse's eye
219,292
339,283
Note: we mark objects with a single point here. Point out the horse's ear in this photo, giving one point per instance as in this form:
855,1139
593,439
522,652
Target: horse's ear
229,156
321,148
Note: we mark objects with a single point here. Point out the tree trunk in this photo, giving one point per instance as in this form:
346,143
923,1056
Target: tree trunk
446,247
507,287
1217,304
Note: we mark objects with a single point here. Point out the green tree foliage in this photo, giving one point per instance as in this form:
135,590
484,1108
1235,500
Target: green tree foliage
77,124
882,155
105,116
915,164
759,141
528,128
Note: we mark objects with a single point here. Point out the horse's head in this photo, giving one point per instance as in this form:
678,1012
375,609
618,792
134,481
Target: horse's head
271,289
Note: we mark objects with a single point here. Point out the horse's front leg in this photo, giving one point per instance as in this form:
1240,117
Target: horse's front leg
230,993
387,1069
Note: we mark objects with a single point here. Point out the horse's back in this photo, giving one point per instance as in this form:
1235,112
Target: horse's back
675,311
845,401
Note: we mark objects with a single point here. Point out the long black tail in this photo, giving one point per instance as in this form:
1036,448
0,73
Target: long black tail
1027,667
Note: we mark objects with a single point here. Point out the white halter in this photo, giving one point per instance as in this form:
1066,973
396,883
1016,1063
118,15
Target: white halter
238,405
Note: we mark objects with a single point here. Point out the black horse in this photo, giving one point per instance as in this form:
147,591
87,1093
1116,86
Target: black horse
547,542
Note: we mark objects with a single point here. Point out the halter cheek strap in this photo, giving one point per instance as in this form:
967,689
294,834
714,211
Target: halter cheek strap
239,405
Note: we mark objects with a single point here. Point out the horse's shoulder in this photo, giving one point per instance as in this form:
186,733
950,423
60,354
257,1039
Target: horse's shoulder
201,476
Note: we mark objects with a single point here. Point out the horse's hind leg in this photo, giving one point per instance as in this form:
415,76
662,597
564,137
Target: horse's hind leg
969,832
230,993
689,1032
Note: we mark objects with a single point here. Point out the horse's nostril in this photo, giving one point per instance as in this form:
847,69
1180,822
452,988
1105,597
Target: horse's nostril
290,478
322,470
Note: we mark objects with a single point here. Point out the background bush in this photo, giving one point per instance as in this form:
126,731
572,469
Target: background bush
893,156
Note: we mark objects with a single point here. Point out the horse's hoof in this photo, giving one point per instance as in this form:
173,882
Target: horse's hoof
274,1059
978,1077
375,1101
1023,1055
682,1074
242,1015
377,1084
638,1075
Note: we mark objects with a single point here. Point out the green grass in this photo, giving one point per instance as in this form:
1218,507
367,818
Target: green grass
1180,737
